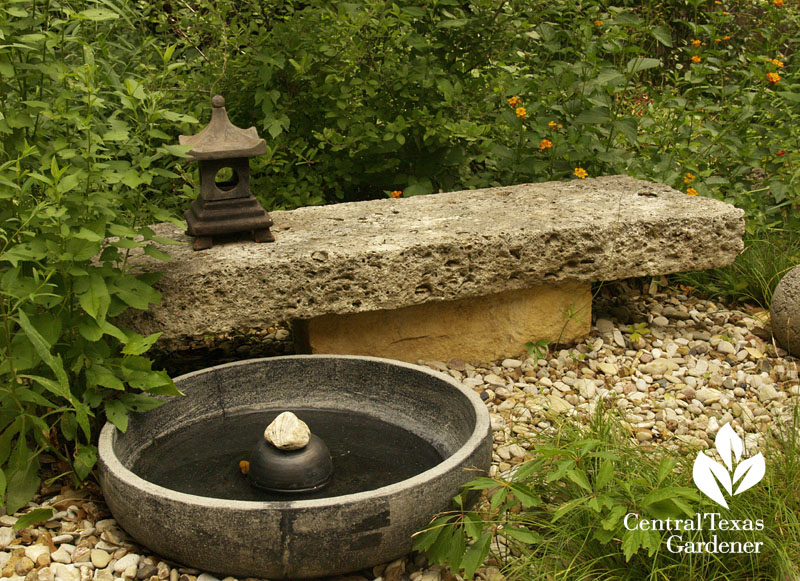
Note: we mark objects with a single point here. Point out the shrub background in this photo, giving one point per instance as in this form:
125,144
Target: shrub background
356,100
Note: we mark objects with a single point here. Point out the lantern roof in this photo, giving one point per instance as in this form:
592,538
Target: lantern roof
221,139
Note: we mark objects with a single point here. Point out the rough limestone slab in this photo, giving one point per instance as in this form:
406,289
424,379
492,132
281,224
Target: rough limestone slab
394,253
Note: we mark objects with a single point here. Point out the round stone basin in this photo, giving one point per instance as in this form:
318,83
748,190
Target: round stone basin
181,511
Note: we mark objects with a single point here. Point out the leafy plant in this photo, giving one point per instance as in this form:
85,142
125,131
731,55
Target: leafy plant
538,349
572,511
637,331
84,151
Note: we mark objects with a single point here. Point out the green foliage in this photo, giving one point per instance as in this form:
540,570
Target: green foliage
538,349
84,150
562,514
752,278
361,98
637,331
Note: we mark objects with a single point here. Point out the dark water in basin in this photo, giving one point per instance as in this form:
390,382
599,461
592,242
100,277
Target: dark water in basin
203,459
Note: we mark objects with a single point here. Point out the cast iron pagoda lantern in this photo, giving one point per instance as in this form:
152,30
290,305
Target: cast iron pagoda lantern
226,206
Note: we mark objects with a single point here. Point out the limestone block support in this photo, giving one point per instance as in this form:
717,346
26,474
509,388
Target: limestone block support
474,329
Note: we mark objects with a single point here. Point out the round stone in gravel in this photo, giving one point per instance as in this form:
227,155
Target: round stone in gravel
100,558
23,566
129,560
62,572
768,393
608,368
34,551
61,556
784,312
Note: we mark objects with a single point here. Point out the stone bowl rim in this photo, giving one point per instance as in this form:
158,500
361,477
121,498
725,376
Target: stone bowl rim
109,434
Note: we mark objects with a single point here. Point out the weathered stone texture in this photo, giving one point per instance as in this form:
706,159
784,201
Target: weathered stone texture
388,254
784,312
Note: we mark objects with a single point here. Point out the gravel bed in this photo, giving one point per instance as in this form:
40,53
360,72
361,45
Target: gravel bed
677,368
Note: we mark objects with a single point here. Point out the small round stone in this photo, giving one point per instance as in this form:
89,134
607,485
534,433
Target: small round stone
100,558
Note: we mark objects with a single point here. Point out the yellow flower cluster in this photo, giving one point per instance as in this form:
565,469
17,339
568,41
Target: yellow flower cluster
520,111
689,178
397,193
696,43
514,101
555,126
545,144
696,59
777,63
773,78
580,173
598,23
691,192
777,3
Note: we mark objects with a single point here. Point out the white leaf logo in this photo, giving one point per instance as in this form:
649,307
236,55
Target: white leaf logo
708,474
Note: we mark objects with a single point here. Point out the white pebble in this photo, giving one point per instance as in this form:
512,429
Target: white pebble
131,559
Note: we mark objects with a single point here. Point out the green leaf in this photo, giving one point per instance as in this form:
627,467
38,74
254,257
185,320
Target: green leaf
100,375
593,116
85,459
151,250
523,535
665,467
482,483
114,331
476,555
86,234
136,344
604,474
33,397
455,552
611,522
452,23
97,14
140,402
473,525
33,517
427,537
11,432
631,542
638,64
2,484
82,417
628,127
90,330
61,386
610,77
568,506
93,295
668,493
116,135
69,426
498,498
579,478
525,495
23,483
117,414
662,34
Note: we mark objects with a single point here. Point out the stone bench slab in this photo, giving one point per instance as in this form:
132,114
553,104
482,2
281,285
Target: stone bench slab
389,254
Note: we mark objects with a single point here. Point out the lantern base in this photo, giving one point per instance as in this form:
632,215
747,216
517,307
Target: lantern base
206,219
